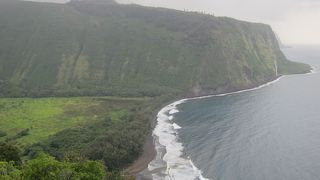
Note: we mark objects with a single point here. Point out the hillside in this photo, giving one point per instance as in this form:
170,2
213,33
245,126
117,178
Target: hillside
104,48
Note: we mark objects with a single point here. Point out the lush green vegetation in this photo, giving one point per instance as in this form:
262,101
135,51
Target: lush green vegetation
96,48
117,139
45,167
9,153
28,120
101,48
110,130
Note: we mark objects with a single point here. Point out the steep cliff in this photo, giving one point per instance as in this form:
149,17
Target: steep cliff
104,48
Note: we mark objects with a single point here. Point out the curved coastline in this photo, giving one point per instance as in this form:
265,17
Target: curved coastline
170,161
158,165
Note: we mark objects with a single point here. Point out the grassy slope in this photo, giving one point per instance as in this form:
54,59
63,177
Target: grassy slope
47,116
110,49
43,117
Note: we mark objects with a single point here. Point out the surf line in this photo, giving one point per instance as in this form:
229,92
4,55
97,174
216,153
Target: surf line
169,162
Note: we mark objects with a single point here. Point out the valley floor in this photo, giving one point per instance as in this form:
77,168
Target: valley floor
111,129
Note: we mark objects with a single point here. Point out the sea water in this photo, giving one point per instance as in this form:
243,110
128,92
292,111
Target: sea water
269,132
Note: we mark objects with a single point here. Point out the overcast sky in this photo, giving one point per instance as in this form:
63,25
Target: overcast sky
295,21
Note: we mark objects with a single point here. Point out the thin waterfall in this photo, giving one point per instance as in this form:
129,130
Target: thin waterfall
276,68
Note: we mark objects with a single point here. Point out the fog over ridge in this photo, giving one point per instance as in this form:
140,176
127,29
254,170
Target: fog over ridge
295,21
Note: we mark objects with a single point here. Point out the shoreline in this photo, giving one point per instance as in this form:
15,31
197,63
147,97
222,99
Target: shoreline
149,153
149,150
143,161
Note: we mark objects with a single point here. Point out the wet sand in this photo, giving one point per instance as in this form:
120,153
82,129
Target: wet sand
147,156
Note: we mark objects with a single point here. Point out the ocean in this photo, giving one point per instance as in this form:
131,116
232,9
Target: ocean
266,133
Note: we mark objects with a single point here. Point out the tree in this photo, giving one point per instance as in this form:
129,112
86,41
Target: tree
88,170
8,171
9,152
46,167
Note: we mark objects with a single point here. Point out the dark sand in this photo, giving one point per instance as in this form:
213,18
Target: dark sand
147,156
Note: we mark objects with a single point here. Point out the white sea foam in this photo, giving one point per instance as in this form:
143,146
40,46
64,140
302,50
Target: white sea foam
176,126
198,171
170,163
173,111
313,71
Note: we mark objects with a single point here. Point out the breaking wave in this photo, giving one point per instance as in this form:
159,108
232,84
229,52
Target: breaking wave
171,162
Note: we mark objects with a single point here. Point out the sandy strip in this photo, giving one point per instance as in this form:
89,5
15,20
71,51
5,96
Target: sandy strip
147,156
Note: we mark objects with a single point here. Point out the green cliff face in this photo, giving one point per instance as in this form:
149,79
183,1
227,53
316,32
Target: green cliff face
103,48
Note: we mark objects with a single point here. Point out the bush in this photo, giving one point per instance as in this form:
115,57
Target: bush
117,141
8,171
45,167
3,134
9,152
20,134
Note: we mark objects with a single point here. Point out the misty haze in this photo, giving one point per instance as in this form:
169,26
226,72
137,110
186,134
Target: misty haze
159,89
